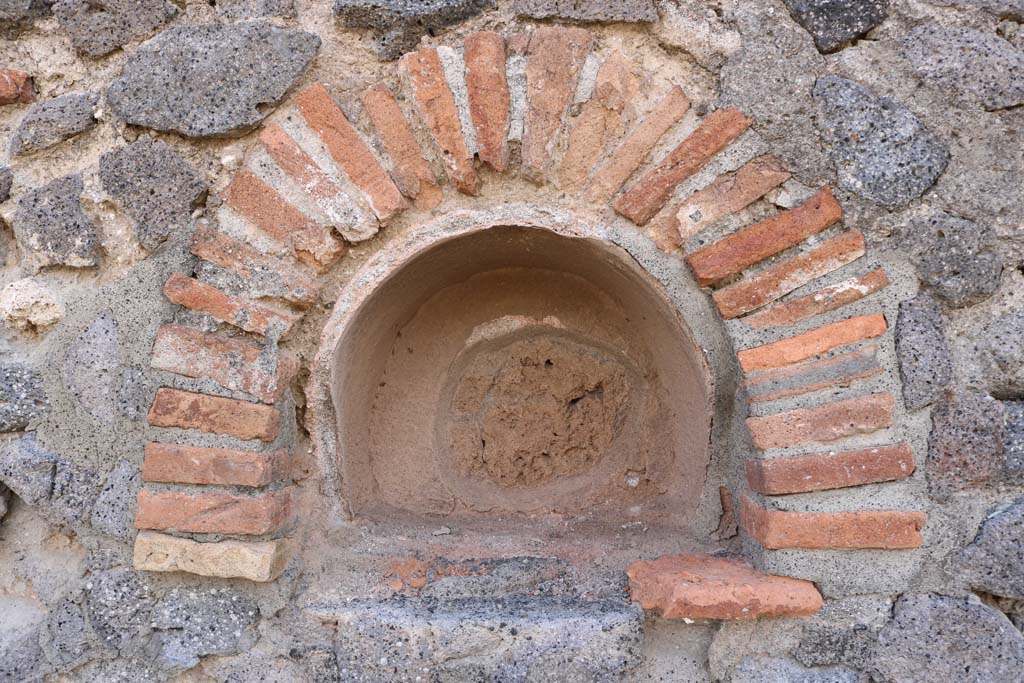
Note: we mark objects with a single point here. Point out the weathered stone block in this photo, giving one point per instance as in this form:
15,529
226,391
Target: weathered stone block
256,561
835,23
203,621
399,24
255,9
22,398
50,224
994,561
763,669
594,10
926,366
98,29
1001,353
55,120
965,448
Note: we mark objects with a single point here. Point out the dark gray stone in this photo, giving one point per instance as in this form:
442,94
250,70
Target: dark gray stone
66,638
966,62
321,665
155,187
829,645
926,365
835,23
1001,353
114,512
398,25
22,398
91,369
5,500
881,150
994,561
783,670
938,639
21,658
50,224
1013,441
210,80
593,10
27,469
55,120
965,448
6,181
1005,9
17,15
255,9
97,29
119,607
195,622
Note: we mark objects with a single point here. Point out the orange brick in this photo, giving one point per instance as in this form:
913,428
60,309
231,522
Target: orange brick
214,414
297,283
600,120
880,529
556,55
649,194
822,301
730,255
410,170
349,151
772,283
813,342
242,313
232,363
825,471
822,423
173,464
271,213
296,163
16,87
813,375
489,98
213,512
637,145
437,107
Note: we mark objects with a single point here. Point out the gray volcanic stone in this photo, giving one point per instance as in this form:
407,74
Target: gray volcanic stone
994,561
21,396
783,670
73,495
135,394
1005,9
6,181
255,9
5,500
1001,352
155,187
21,657
937,639
50,223
926,365
965,448
97,29
399,24
54,120
965,61
595,10
204,621
91,368
834,23
1013,441
17,15
210,80
66,637
881,150
119,607
955,258
114,511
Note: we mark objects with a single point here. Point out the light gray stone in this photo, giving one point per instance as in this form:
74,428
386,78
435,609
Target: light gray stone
17,15
114,511
121,670
255,9
926,364
66,638
135,393
97,29
210,80
882,151
1006,9
27,469
398,25
1013,441
119,607
1001,353
50,224
6,181
965,448
54,120
595,10
784,670
994,561
22,398
91,369
195,622
21,657
835,23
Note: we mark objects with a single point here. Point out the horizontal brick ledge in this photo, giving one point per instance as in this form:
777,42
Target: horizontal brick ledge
214,415
863,529
825,471
213,512
228,559
823,423
234,310
179,464
812,343
703,587
813,375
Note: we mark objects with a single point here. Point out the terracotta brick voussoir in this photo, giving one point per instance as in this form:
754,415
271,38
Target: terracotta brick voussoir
649,194
242,313
213,512
824,471
489,97
228,559
824,300
813,342
214,414
296,163
823,423
731,255
878,529
813,375
703,587
16,87
178,464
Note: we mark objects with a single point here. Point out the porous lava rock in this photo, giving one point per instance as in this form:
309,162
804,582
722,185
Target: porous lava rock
594,10
926,365
55,120
762,669
21,396
965,448
96,29
1001,353
835,23
399,24
994,561
51,226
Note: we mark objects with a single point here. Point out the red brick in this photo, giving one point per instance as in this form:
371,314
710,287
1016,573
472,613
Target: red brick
878,529
638,144
732,254
410,170
825,471
556,55
703,587
173,464
214,414
813,375
822,423
775,282
349,151
16,87
213,512
297,164
813,342
242,313
232,363
600,120
822,301
297,282
489,98
271,213
649,194
437,107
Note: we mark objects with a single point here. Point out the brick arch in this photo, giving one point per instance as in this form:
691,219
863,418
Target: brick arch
554,110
